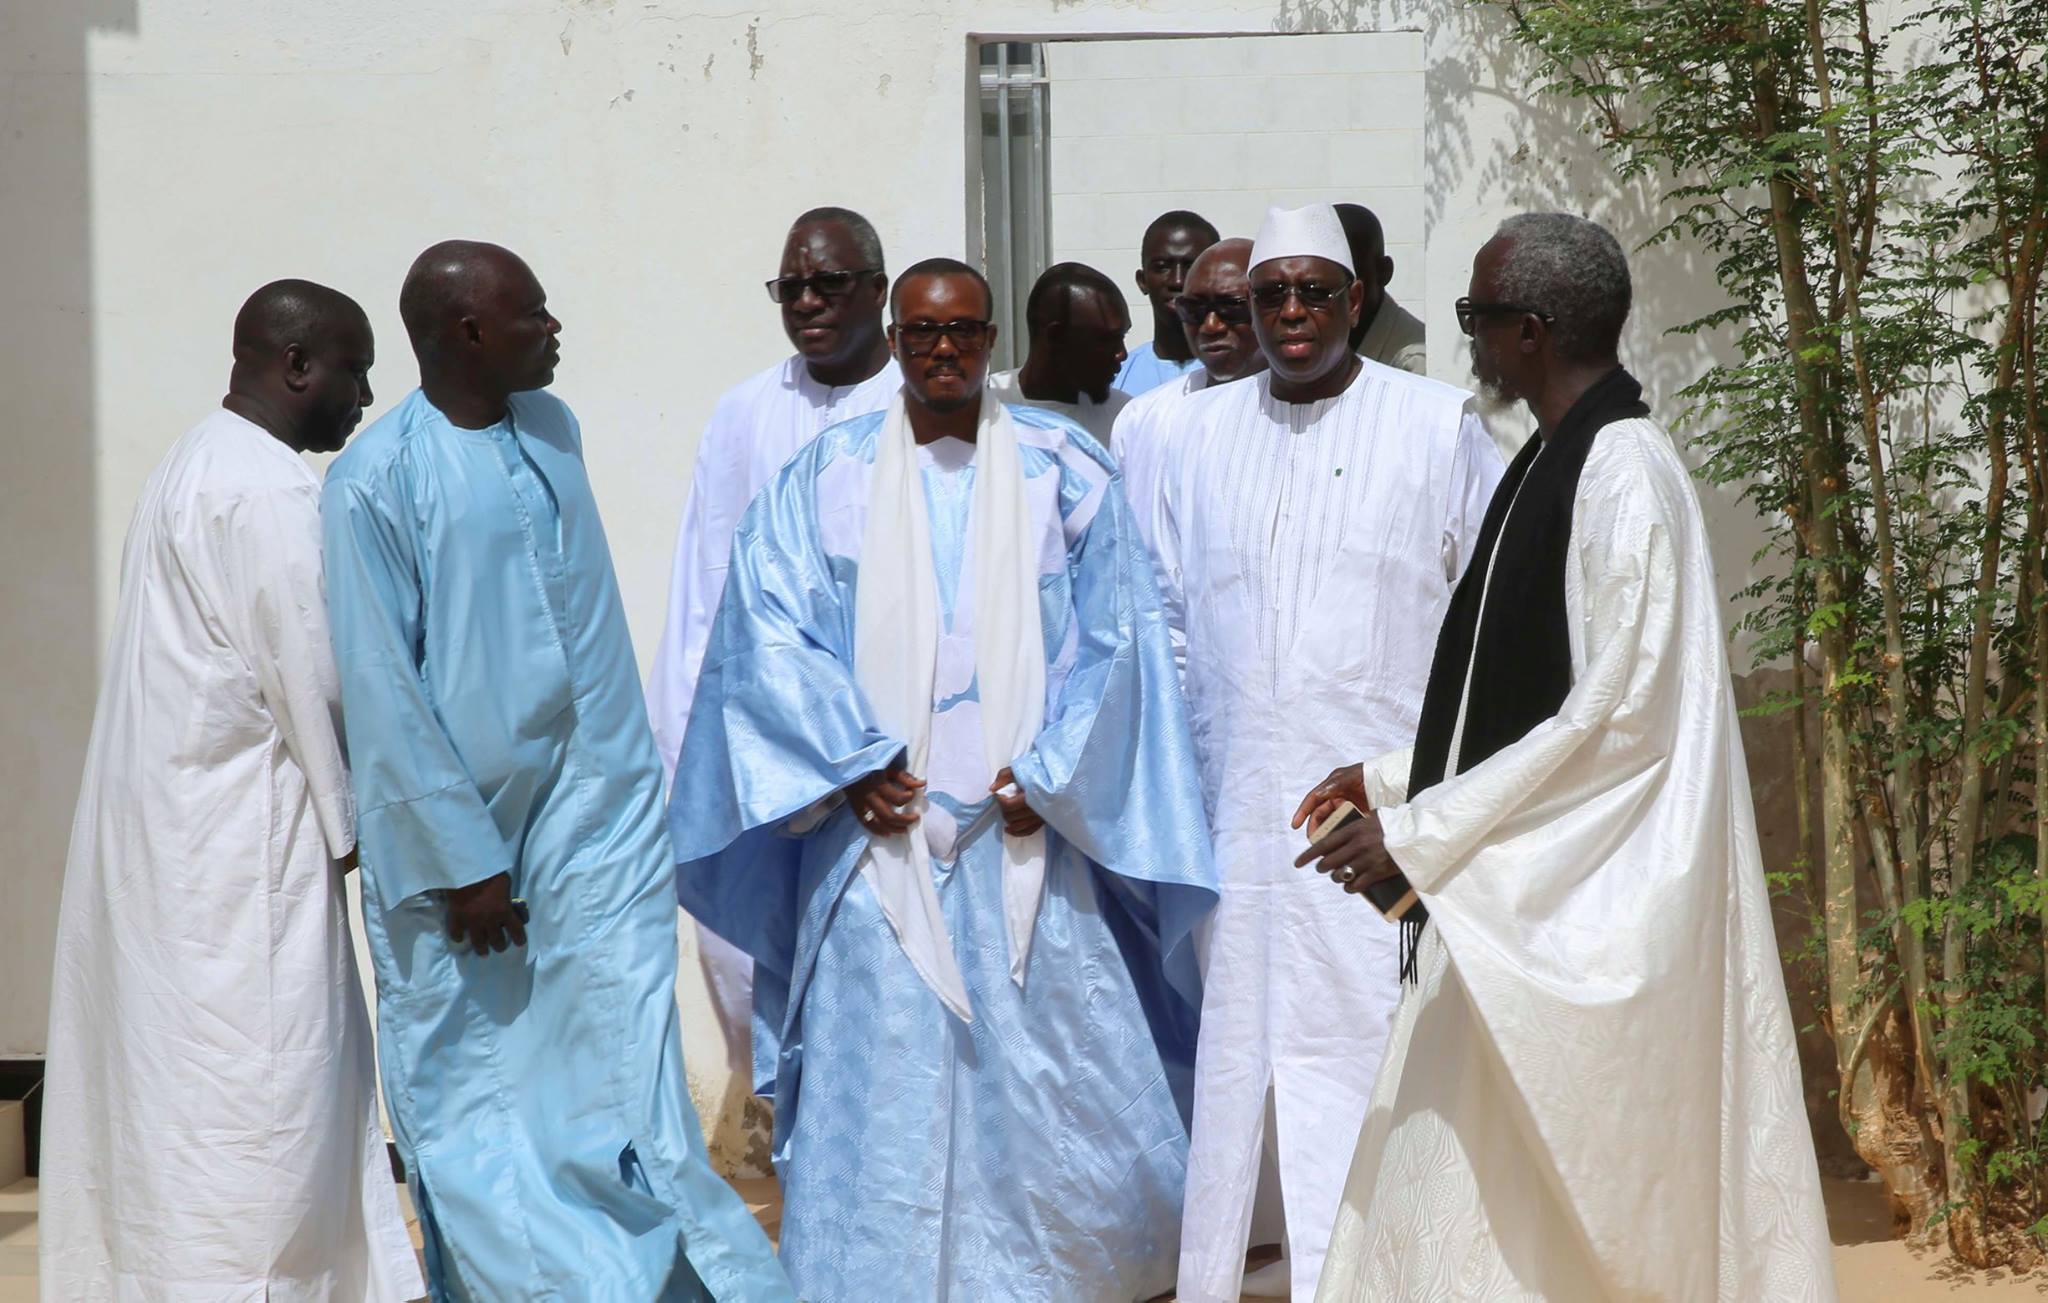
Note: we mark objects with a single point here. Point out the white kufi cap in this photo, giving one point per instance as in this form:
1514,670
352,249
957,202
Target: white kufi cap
1311,232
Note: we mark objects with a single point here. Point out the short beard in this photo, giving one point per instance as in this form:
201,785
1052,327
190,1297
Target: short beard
968,399
1491,400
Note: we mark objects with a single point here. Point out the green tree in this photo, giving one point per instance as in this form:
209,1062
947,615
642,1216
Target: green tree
1872,183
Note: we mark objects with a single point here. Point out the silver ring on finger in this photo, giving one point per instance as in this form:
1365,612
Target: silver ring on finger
867,816
1346,874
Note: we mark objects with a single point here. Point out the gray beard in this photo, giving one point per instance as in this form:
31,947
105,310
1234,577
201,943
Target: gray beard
1490,402
1488,397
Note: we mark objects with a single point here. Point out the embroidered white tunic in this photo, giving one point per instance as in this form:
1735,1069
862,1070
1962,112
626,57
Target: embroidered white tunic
1307,553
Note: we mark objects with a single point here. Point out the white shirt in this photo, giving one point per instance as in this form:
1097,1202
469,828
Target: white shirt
1307,553
210,1126
1096,418
757,426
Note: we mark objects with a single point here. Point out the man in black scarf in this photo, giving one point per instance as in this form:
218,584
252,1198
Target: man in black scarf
1591,1089
1544,331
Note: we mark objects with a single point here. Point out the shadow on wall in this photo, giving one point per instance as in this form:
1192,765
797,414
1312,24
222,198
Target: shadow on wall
49,640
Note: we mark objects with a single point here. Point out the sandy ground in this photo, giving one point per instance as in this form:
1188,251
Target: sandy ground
1873,1268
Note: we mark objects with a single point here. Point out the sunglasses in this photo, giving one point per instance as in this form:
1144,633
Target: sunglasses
826,284
1192,311
919,338
1311,294
1470,312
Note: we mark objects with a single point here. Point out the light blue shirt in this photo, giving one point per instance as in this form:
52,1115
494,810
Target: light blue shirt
1038,1153
1144,369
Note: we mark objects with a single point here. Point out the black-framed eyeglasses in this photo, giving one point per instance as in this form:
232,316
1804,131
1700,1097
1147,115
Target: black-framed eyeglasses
1470,312
825,284
1235,310
919,338
1313,294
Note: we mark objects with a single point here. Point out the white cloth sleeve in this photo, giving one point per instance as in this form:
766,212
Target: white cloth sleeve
275,611
1623,550
1166,563
1476,469
1386,778
696,582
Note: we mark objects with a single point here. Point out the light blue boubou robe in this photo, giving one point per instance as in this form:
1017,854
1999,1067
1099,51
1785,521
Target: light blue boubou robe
495,722
1144,370
1038,1151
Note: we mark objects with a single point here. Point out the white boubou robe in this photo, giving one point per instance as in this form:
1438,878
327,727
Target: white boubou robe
210,1126
1594,1093
1137,439
757,426
1307,552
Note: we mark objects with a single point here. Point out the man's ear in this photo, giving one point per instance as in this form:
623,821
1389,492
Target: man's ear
881,290
298,366
472,331
1354,300
1530,340
1386,272
1138,279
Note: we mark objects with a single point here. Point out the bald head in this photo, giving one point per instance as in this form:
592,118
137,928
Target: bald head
289,312
1368,241
1222,268
479,324
1215,312
450,281
302,364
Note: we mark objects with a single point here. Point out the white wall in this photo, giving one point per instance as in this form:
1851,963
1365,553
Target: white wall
158,160
1228,127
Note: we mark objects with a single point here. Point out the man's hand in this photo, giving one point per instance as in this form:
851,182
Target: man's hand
1355,856
482,915
1345,784
878,799
1019,820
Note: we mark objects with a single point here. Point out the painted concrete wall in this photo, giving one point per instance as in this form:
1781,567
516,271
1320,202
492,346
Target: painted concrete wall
159,159
1228,127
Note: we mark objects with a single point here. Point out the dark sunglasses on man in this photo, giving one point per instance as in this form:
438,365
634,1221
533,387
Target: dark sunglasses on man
1313,294
826,284
1470,312
919,338
1234,310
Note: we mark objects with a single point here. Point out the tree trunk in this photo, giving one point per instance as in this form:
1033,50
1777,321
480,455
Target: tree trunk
1877,1097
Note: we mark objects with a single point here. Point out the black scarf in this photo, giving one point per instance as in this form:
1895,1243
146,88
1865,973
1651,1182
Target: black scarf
1519,647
